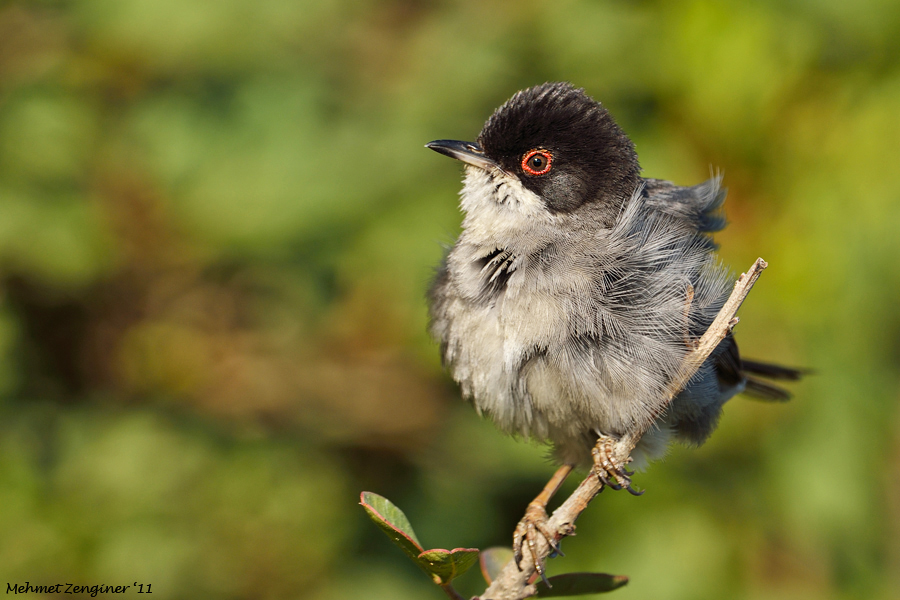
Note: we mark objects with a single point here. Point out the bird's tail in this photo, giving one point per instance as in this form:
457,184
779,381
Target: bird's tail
756,374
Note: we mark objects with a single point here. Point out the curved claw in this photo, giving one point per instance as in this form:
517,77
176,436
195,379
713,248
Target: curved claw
634,492
613,485
607,468
532,524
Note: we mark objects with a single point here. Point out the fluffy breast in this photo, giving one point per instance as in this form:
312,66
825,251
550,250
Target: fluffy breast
559,329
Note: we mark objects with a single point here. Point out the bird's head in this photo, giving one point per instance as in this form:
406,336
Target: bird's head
553,143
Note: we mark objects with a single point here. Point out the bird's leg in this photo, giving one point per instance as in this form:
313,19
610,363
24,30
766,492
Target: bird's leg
535,522
607,468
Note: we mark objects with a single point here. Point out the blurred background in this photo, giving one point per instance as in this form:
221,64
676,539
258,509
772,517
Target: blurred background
218,223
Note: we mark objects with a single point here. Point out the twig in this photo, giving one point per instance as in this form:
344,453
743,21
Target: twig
451,592
512,582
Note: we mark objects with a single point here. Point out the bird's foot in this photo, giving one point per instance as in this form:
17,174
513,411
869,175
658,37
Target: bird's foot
610,470
533,524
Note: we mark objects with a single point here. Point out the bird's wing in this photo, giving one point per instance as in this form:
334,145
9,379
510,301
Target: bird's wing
700,204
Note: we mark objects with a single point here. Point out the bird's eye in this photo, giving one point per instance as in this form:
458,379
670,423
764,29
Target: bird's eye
537,162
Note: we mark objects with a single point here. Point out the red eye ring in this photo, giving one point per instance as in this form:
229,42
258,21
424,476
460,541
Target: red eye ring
537,162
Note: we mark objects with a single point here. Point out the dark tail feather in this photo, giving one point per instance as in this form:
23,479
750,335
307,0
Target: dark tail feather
763,390
770,371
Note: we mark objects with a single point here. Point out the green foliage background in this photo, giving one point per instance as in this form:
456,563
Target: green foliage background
217,224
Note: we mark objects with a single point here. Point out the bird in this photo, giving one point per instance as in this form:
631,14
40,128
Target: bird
576,288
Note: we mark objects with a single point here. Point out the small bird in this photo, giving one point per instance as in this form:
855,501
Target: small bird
577,287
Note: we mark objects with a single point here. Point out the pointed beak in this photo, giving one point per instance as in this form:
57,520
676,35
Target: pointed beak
468,152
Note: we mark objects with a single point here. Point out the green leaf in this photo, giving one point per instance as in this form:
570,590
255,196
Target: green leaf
393,522
444,565
441,565
493,560
578,584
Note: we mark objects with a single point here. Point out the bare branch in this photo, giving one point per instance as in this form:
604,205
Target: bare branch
451,592
513,581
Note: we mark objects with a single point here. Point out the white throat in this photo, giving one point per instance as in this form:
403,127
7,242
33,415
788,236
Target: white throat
498,207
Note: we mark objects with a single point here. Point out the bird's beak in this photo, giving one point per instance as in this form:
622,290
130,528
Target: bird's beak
468,152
